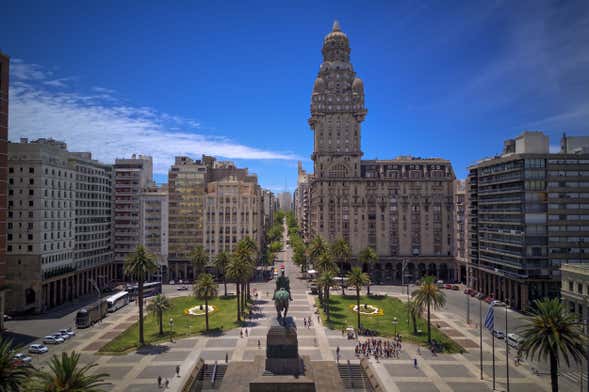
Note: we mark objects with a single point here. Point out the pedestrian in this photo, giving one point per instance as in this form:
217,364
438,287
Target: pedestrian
226,357
246,333
159,381
177,370
305,322
259,344
415,363
241,333
318,319
167,383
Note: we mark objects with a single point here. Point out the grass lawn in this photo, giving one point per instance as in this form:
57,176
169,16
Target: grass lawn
222,319
343,316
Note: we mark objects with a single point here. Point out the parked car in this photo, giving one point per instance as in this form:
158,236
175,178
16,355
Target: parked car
182,288
64,336
497,303
480,296
489,299
180,281
172,282
38,349
49,339
22,359
455,287
499,334
468,291
7,317
448,286
67,331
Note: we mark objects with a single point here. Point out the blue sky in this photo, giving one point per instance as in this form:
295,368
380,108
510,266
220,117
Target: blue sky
233,79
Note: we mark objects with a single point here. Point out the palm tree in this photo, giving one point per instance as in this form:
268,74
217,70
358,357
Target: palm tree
341,252
428,295
199,259
221,262
357,278
415,311
205,288
317,247
248,251
12,377
139,265
236,270
324,262
158,306
369,257
65,375
326,281
552,333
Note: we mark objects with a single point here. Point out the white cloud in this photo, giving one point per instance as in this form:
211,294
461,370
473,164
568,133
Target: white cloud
61,82
93,123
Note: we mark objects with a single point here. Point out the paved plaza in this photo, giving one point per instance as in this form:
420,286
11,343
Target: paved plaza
139,370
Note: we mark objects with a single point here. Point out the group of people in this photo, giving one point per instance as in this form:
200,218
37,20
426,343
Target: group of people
307,322
379,348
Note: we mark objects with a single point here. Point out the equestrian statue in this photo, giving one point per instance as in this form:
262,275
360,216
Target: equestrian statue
282,296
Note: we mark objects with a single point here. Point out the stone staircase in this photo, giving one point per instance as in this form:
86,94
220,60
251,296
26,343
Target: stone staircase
353,377
210,377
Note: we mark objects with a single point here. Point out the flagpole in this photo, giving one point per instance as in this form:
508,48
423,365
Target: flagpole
481,334
506,349
493,346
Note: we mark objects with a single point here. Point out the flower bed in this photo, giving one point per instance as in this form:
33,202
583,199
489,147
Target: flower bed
368,310
198,310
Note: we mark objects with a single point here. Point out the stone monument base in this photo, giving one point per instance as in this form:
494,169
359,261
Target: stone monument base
282,384
285,366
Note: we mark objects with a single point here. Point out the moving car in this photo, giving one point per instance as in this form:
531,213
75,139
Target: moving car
38,349
182,288
22,359
49,339
497,303
514,340
67,331
7,317
499,334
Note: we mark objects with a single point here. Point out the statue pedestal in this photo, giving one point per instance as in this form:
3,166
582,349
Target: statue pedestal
282,345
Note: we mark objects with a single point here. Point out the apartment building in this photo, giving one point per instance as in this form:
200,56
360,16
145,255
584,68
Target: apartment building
529,214
268,208
59,244
131,177
302,199
461,231
154,225
4,76
186,186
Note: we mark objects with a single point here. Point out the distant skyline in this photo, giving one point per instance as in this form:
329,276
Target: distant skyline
442,79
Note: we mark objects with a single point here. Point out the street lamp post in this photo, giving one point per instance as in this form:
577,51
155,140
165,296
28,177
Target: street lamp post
172,327
395,322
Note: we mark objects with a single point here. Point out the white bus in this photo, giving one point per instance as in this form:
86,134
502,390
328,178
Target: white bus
117,301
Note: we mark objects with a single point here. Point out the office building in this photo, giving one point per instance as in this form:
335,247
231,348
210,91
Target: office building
4,76
528,215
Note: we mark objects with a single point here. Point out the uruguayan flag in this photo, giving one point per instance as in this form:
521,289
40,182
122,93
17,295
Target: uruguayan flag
490,319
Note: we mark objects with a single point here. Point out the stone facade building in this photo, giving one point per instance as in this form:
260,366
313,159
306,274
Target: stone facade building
528,215
461,231
153,210
214,204
575,289
131,177
4,75
403,207
59,225
285,201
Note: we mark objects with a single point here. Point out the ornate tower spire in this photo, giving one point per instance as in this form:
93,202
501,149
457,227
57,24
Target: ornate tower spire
337,109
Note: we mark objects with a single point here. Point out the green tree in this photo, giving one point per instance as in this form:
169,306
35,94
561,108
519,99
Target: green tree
342,253
205,288
138,266
12,377
66,375
237,271
357,278
199,259
415,311
326,280
158,305
221,262
428,296
317,249
368,256
247,251
552,333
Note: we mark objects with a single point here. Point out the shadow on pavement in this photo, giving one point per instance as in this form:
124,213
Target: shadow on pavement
153,349
19,339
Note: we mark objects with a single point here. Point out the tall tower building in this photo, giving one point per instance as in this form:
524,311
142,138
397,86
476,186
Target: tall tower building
4,67
337,110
